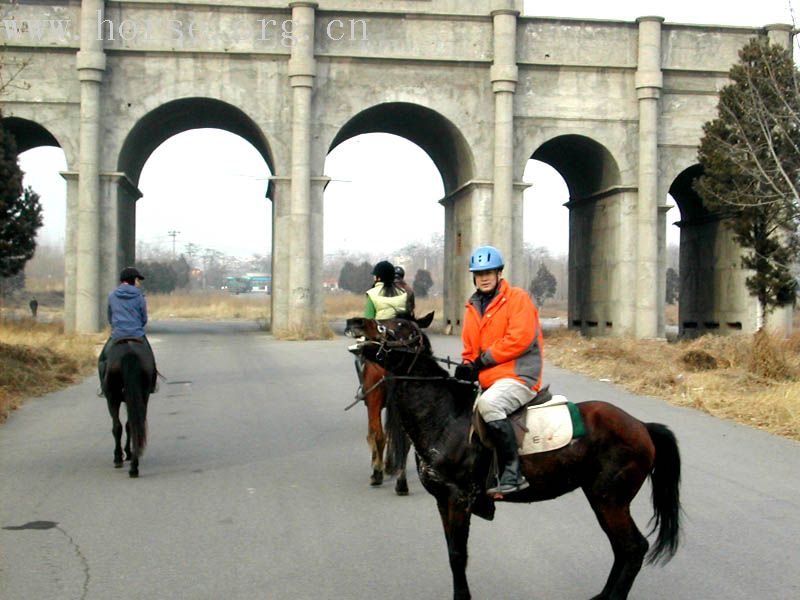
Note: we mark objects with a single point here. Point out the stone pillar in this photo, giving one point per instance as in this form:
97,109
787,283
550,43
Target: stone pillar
317,247
118,224
504,76
780,34
467,213
281,230
70,251
91,64
302,69
649,81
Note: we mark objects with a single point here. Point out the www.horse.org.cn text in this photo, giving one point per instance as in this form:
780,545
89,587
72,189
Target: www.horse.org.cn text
179,31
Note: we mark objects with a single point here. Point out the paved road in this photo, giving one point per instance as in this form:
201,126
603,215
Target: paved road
255,485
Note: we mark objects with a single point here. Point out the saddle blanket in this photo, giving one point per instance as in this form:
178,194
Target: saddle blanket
550,426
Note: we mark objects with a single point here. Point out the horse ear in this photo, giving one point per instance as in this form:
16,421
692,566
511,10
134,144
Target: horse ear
354,325
426,320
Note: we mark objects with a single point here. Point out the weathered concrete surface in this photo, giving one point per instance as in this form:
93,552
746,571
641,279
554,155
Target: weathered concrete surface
616,107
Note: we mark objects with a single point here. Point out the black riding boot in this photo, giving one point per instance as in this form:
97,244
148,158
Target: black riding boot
505,443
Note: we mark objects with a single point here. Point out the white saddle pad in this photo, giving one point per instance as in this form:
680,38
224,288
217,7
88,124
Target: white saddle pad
549,427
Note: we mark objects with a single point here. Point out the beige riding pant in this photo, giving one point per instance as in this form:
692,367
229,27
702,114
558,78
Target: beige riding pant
502,398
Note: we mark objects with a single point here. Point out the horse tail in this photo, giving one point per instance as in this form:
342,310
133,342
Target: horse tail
665,478
133,381
397,441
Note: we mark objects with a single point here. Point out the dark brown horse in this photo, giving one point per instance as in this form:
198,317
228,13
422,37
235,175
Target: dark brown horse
129,373
610,463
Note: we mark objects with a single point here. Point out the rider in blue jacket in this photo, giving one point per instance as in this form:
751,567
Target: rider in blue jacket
127,314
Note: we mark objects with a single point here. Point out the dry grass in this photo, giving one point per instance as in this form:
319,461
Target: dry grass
209,305
754,380
37,358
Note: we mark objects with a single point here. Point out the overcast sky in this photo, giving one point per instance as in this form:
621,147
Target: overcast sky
209,185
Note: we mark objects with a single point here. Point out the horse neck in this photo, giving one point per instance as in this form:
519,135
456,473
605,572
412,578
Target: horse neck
429,410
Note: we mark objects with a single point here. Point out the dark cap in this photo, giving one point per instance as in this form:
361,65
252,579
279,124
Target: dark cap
384,271
399,272
129,273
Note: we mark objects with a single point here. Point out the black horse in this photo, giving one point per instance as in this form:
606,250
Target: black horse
610,463
130,369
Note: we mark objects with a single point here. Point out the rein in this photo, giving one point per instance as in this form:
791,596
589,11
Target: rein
402,346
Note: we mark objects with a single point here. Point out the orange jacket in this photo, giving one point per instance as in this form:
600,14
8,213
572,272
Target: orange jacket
508,337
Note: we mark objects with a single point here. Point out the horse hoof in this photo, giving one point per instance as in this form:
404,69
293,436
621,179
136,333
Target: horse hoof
401,490
376,478
117,464
133,474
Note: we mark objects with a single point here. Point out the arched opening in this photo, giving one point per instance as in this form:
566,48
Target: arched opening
546,241
42,161
193,190
708,264
397,160
596,254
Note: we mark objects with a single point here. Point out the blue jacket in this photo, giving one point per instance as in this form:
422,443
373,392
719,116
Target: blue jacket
127,312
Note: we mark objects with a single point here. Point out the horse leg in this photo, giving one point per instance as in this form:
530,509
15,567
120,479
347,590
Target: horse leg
128,455
375,436
116,430
401,485
455,519
628,544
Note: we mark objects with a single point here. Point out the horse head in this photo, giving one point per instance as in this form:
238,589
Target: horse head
392,343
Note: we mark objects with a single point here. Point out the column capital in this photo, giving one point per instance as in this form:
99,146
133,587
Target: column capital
91,65
650,18
504,11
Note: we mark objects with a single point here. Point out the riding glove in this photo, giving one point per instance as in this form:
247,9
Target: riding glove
468,371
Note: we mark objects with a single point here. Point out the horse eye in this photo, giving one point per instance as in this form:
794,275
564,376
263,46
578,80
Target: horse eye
381,328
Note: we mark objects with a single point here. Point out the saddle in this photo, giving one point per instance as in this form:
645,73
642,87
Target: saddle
135,340
545,423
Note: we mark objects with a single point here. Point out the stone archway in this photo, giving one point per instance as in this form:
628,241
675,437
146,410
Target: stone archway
447,147
119,190
598,234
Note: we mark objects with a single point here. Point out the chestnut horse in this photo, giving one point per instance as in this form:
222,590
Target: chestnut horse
609,463
374,389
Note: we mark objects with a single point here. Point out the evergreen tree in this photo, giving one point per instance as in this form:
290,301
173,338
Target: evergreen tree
20,211
543,286
422,283
673,286
750,156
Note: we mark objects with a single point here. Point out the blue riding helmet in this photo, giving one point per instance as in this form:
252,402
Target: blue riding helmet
486,258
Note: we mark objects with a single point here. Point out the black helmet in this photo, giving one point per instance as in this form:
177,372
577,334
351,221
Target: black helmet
399,272
130,274
384,271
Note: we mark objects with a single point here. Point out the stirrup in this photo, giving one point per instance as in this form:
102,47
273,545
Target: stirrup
508,488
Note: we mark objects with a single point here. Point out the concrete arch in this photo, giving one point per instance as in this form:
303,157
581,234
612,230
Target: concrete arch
598,235
119,190
426,128
177,116
29,134
710,271
587,166
452,155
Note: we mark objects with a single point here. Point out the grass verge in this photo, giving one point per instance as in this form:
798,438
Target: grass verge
37,358
754,380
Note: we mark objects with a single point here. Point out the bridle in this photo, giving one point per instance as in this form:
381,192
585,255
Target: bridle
387,341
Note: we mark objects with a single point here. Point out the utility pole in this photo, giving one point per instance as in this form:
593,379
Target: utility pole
173,234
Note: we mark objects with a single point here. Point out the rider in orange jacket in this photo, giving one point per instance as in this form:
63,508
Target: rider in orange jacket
502,350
